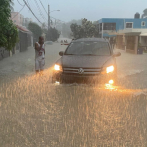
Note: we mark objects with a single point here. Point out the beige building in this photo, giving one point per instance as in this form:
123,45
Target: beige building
17,18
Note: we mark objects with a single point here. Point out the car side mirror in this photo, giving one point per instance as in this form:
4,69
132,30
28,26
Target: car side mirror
61,53
117,54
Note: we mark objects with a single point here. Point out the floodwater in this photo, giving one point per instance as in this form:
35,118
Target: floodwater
36,113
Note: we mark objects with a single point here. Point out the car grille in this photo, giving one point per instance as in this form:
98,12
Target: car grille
87,71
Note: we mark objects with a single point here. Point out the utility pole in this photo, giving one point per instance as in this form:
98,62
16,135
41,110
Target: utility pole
48,17
55,23
102,29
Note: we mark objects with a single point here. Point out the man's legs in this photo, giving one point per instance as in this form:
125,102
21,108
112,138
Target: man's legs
37,66
42,63
37,71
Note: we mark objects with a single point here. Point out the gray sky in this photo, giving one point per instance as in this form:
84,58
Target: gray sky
76,9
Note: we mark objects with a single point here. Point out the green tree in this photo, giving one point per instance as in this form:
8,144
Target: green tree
78,31
8,31
86,29
66,31
35,29
52,34
65,27
144,15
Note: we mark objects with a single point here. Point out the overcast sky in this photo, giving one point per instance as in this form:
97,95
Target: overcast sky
76,9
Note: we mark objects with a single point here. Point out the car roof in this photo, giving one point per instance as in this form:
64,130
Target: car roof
90,39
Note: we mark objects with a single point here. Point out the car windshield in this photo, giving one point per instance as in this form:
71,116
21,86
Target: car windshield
97,48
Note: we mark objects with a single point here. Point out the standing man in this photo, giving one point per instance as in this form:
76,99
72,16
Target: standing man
39,55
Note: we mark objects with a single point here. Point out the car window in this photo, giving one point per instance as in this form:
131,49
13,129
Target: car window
89,48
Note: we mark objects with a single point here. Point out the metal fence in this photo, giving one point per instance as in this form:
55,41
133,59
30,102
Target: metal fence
24,40
4,53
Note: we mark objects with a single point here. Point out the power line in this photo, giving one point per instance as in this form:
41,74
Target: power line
28,3
43,7
31,11
33,7
40,10
19,11
20,3
47,13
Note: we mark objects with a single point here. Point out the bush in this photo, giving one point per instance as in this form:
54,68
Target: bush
8,31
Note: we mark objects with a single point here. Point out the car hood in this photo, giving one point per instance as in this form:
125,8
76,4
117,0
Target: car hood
84,61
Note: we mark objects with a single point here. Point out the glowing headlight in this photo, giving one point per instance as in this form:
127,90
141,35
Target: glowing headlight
57,67
111,82
110,69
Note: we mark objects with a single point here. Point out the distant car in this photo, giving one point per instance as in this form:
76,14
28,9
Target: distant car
49,42
86,60
65,42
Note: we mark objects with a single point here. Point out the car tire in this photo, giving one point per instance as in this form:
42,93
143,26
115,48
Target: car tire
53,80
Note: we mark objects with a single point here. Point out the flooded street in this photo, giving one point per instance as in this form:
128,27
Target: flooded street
36,113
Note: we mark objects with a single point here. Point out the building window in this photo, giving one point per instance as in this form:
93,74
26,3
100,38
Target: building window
129,25
110,26
142,23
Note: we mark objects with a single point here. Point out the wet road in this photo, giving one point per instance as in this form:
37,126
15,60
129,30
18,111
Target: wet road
36,113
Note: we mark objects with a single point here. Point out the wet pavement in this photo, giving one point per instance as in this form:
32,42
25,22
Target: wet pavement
36,113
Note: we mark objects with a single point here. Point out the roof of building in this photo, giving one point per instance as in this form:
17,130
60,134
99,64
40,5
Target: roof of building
120,19
22,28
132,33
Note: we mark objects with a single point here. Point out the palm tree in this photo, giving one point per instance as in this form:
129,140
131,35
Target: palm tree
144,15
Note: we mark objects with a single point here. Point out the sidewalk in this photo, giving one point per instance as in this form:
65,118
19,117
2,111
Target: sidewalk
20,63
129,64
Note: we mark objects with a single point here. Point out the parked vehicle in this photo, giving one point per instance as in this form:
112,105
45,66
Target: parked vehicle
86,60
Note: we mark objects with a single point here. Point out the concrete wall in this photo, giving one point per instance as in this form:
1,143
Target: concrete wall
132,30
143,40
4,53
119,22
132,44
120,42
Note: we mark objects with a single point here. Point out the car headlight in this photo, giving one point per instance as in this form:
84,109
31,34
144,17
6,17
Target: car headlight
57,67
110,69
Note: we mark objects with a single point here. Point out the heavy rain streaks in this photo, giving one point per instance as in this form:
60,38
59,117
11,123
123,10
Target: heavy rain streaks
35,112
73,73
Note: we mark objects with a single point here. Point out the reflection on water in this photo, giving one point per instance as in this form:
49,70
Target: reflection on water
110,86
57,83
34,112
